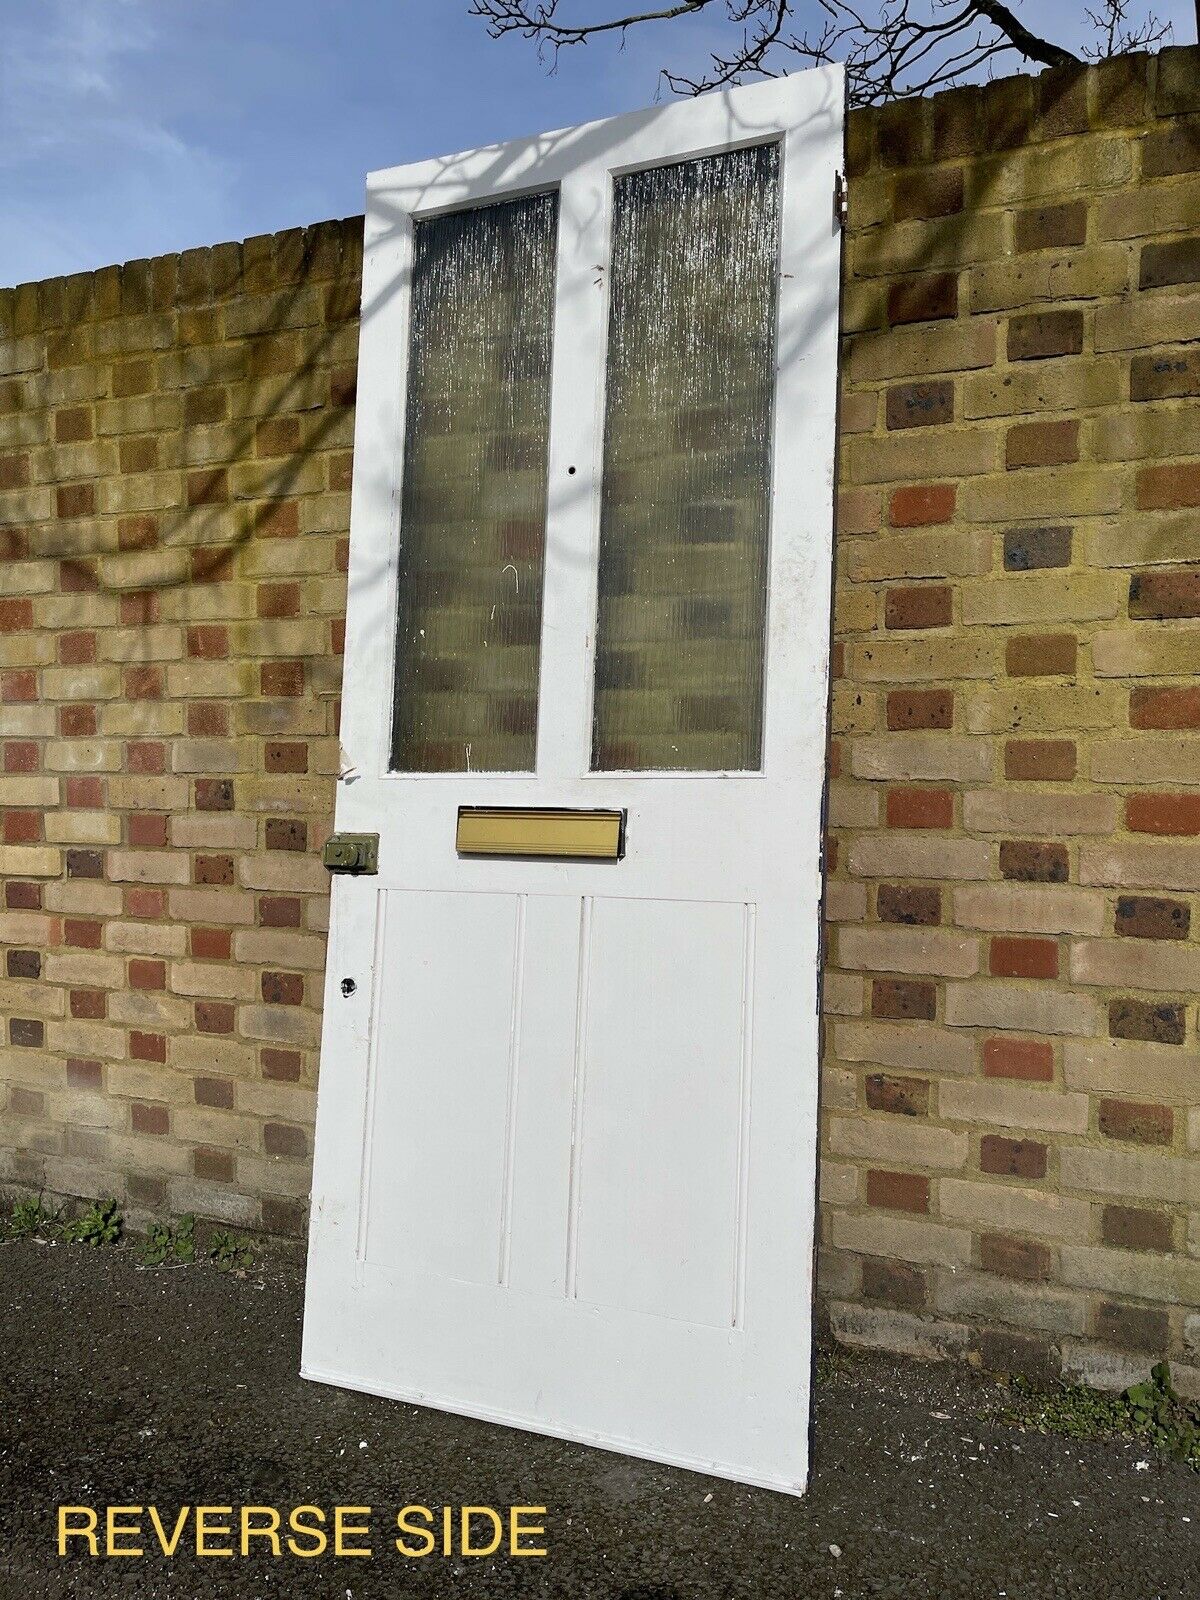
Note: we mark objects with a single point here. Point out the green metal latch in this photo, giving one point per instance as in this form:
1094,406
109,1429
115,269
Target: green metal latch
352,852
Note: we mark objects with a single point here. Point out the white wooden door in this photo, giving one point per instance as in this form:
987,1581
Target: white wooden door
566,1131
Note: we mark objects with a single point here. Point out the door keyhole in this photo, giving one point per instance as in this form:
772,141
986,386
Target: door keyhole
348,987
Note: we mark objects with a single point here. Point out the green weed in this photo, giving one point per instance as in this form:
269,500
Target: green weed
228,1252
164,1244
1152,1410
30,1219
100,1224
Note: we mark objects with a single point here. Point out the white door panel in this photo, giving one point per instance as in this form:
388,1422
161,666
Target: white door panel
566,1136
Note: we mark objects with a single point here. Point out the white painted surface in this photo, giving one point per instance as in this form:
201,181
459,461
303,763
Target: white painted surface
566,1134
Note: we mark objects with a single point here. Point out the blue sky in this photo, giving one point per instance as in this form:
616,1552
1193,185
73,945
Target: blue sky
134,127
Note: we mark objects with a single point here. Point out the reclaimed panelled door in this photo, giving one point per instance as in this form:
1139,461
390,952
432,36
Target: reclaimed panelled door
566,1130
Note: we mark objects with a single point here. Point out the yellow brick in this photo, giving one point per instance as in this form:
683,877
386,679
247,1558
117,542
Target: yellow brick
148,866
920,453
921,555
1149,208
1057,492
1033,280
1045,597
936,660
924,246
142,644
854,610
1147,320
874,1234
921,351
987,1206
935,951
1026,811
921,756
838,1184
1152,865
1020,1007
845,902
144,1008
30,861
1136,653
842,994
910,1046
1008,1105
1129,1067
985,1297
280,1025
1053,708
898,1141
216,906
1150,1277
1135,964
1029,907
1150,541
82,897
885,855
1059,167
1035,386
852,805
214,980
278,947
1144,759
146,938
1167,1179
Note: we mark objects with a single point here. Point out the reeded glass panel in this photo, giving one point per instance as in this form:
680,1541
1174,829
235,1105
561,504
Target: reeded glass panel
473,510
687,450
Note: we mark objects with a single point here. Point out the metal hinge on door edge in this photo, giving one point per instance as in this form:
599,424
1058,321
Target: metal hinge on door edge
841,200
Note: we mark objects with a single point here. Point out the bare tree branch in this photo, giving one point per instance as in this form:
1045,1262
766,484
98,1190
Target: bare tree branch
890,48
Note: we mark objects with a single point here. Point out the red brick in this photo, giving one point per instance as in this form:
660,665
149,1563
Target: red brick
143,683
83,793
138,455
1164,708
149,1119
895,1283
920,808
211,944
77,722
77,649
1165,375
1159,1021
148,830
213,870
146,756
26,1033
922,505
84,1074
214,1016
276,600
213,1166
918,606
282,679
286,756
206,720
1033,861
279,1139
920,708
1051,227
15,615
147,905
1012,1158
85,863
216,1092
920,405
82,933
137,533
904,1097
1141,916
280,1066
214,794
1169,488
279,911
1040,760
284,1216
1132,1228
212,565
73,425
18,687
23,896
1159,596
1170,262
146,974
1132,1327
1014,1258
282,988
1137,1123
21,827
207,487
208,642
23,963
1011,957
1042,334
147,1046
280,519
285,833
1042,655
905,999
75,500
89,1004
139,609
897,1191
1029,1060
917,905
934,192
1041,444
21,755
1163,813
14,472
343,385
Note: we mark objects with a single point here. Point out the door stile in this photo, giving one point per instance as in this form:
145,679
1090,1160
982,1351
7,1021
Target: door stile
573,497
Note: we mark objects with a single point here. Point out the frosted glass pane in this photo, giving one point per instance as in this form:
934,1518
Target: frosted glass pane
473,508
687,447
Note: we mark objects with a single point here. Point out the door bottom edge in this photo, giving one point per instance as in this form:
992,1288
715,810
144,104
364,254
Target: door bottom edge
507,1419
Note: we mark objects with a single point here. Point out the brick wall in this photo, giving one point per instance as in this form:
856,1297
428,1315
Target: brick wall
1011,1139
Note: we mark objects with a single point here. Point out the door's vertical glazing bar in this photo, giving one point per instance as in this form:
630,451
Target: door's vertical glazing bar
741,1203
514,1067
583,983
572,514
368,1134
